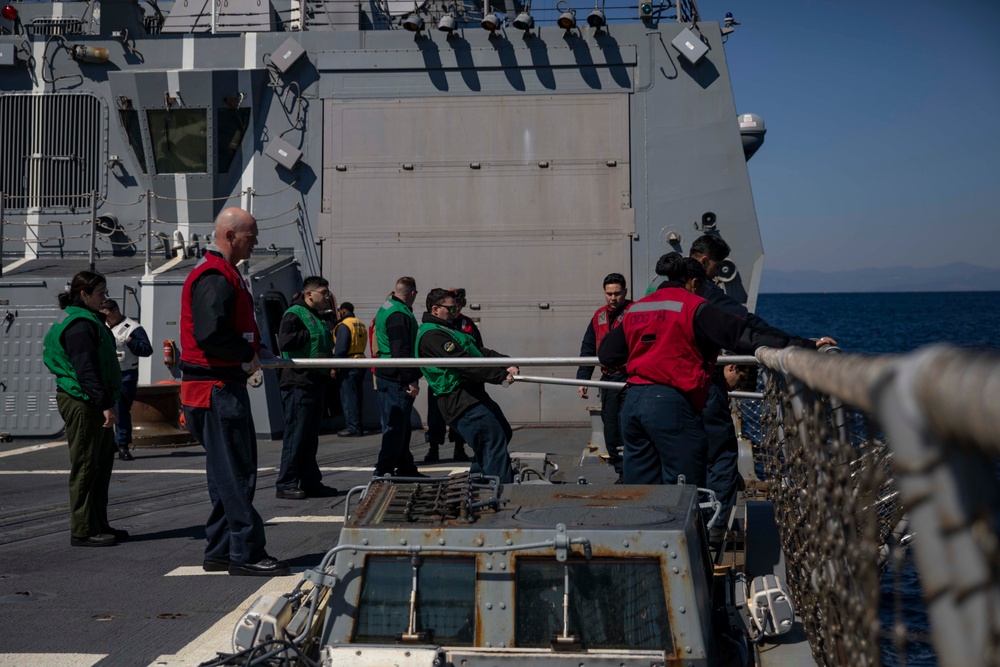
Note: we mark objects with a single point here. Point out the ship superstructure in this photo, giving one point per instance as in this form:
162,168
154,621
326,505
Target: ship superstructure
523,162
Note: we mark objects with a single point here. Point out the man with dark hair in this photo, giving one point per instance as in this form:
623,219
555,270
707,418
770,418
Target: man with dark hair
396,336
435,421
605,319
460,392
710,250
220,350
303,334
349,339
131,343
722,472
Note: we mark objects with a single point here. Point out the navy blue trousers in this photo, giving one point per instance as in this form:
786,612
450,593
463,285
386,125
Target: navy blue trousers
722,472
123,408
435,422
351,397
486,430
611,404
303,408
226,431
396,409
662,437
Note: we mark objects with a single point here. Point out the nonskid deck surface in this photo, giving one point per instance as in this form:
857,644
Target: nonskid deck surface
147,601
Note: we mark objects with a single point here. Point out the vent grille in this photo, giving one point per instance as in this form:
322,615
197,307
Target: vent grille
50,26
42,165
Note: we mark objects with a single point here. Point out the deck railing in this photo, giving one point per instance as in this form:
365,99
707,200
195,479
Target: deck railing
872,461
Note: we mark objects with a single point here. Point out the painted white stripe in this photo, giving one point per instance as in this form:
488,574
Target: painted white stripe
28,246
249,50
198,471
190,571
183,206
174,82
51,659
306,519
167,266
115,472
187,54
34,448
219,638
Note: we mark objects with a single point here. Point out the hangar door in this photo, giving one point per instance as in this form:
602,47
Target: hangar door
523,200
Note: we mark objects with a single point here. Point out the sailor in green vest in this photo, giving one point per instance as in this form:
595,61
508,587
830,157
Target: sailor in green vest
395,336
80,351
303,334
461,392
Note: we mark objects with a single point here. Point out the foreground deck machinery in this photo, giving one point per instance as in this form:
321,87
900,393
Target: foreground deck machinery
452,572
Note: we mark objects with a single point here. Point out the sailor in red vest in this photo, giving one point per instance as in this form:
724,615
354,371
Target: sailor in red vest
220,350
607,317
669,342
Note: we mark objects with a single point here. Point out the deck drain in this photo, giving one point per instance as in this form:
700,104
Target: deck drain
170,617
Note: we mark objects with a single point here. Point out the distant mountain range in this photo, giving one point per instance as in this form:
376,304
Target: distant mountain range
955,277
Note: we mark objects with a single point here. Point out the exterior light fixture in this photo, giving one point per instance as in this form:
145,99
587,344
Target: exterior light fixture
525,21
447,23
595,19
413,22
646,10
9,13
729,24
490,20
567,19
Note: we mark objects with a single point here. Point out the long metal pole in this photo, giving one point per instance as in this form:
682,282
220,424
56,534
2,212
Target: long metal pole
463,362
2,195
569,382
93,226
149,231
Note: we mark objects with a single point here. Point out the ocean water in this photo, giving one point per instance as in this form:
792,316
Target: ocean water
892,323
887,323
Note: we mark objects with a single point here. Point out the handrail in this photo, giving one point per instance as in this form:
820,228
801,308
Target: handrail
933,425
460,362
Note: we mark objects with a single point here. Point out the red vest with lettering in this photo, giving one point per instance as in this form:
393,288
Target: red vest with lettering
240,320
662,349
603,325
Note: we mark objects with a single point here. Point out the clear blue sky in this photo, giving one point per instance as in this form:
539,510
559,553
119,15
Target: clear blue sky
883,129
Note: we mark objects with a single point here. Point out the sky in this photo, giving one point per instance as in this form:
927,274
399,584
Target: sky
883,129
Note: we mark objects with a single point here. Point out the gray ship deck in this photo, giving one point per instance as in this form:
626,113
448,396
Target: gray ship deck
147,601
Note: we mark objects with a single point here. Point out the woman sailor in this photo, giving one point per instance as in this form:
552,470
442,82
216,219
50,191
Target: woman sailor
80,352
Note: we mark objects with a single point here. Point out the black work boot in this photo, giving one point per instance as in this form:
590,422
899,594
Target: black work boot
460,454
432,456
124,454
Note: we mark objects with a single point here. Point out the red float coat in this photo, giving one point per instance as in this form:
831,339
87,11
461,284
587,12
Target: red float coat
603,324
659,330
241,319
